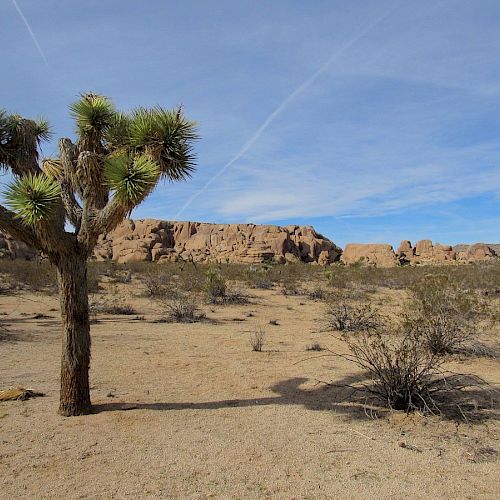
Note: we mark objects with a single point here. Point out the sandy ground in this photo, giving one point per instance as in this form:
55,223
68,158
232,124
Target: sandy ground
189,411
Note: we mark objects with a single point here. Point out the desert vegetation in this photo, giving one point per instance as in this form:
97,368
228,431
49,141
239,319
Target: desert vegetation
115,162
401,361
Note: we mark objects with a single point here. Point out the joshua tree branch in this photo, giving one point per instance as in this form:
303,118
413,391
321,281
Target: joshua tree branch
110,216
15,228
71,206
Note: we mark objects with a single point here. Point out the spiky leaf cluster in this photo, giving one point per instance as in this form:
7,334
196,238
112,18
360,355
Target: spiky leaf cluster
17,136
131,179
33,197
167,136
93,113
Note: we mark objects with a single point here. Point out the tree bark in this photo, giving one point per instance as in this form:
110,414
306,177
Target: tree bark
75,362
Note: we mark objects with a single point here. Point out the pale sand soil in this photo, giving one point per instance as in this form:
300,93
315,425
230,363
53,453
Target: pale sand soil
197,414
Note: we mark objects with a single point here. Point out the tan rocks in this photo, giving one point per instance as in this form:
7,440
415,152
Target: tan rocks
154,240
425,252
162,241
477,252
13,249
371,254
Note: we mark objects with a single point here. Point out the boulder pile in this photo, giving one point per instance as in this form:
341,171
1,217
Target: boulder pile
12,249
159,241
163,241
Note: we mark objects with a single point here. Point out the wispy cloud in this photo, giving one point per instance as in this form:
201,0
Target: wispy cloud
32,34
285,103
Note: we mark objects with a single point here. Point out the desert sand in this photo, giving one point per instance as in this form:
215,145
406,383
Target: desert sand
190,411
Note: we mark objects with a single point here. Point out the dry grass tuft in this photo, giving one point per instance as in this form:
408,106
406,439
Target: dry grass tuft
18,394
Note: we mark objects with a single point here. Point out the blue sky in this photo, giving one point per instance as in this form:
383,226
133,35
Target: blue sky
373,120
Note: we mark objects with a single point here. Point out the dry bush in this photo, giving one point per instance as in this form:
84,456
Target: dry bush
183,310
156,283
258,339
317,294
218,292
29,275
404,374
290,288
110,306
315,346
215,287
444,316
261,281
345,315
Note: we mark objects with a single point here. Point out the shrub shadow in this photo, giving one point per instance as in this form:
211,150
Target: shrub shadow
340,398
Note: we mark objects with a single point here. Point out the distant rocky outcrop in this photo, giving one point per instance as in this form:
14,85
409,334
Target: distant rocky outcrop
163,241
371,254
159,241
12,249
424,252
478,251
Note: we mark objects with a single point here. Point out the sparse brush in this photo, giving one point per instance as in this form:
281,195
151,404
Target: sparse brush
114,307
183,310
218,292
257,339
290,288
215,286
261,282
234,296
444,316
317,294
316,346
28,275
344,315
156,283
404,375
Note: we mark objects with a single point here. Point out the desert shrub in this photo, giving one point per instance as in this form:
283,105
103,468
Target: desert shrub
257,339
261,281
29,275
183,310
404,374
317,294
218,292
315,346
444,316
345,315
290,288
155,283
110,306
215,286
235,296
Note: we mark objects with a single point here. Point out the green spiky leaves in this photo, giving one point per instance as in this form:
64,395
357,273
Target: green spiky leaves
93,113
33,197
167,136
19,138
131,179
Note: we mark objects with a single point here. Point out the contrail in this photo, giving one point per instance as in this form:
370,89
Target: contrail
30,31
301,88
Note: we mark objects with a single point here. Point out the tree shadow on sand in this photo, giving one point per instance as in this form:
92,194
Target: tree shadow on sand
474,405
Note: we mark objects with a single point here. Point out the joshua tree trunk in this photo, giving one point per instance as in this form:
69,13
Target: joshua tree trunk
75,362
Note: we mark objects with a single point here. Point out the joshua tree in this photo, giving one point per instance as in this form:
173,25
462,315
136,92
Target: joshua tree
115,163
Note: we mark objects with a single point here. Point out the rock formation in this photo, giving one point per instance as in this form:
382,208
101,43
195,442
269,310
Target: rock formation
163,241
12,249
424,252
371,254
158,241
477,252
